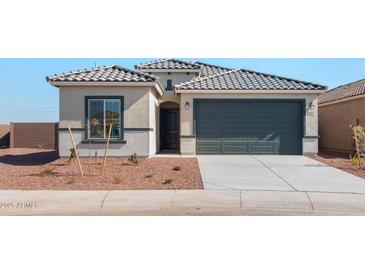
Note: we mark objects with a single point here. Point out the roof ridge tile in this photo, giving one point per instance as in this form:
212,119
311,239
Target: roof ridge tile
210,65
112,73
149,65
152,62
199,79
78,71
136,72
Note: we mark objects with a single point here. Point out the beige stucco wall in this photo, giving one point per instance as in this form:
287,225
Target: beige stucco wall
177,78
310,145
153,116
72,104
168,96
138,110
141,110
137,142
335,121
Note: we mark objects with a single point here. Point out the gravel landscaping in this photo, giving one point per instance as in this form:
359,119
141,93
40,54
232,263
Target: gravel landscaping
341,161
33,169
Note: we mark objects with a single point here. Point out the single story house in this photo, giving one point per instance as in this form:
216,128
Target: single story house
183,107
339,109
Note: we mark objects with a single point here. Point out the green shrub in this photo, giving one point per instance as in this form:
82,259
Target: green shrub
117,180
48,171
70,181
133,159
72,155
167,181
355,160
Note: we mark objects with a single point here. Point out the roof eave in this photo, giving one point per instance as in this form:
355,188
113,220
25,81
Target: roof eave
156,85
159,88
351,98
100,83
248,91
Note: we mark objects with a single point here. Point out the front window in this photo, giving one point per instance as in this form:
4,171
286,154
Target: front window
101,114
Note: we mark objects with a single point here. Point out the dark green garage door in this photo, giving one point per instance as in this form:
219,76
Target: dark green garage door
249,126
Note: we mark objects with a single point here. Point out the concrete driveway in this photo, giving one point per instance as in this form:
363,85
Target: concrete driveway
278,173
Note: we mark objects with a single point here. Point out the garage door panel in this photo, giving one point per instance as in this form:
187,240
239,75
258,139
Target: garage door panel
250,147
210,139
209,147
237,138
235,148
264,148
256,138
249,127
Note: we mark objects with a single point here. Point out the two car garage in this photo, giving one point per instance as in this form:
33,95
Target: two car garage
244,126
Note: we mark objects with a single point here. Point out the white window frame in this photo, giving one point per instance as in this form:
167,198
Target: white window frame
104,118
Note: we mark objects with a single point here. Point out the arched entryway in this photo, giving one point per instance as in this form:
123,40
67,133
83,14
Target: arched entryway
169,127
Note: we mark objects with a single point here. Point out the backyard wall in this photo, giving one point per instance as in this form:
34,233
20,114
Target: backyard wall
34,135
4,136
334,124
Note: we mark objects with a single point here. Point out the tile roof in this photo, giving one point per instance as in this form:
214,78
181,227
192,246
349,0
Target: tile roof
240,79
208,69
168,64
212,77
112,73
345,91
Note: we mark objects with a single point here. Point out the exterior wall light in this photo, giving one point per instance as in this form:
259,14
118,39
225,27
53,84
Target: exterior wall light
187,105
311,106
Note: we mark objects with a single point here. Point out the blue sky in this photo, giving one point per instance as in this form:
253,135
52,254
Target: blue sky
25,95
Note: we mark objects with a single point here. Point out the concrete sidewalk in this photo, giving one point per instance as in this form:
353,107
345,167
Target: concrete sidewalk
180,202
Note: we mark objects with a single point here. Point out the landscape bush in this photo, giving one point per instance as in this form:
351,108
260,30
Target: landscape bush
133,159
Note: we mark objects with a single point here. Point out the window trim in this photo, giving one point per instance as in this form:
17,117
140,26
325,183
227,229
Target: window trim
121,116
105,130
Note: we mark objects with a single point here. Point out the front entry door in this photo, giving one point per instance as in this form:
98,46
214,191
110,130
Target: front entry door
169,133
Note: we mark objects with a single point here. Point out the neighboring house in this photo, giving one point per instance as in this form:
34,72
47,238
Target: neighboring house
339,109
171,105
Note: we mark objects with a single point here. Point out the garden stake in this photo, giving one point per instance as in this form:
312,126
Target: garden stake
74,147
106,149
357,146
89,157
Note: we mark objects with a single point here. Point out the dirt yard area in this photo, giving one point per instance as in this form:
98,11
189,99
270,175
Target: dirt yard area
42,169
341,161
